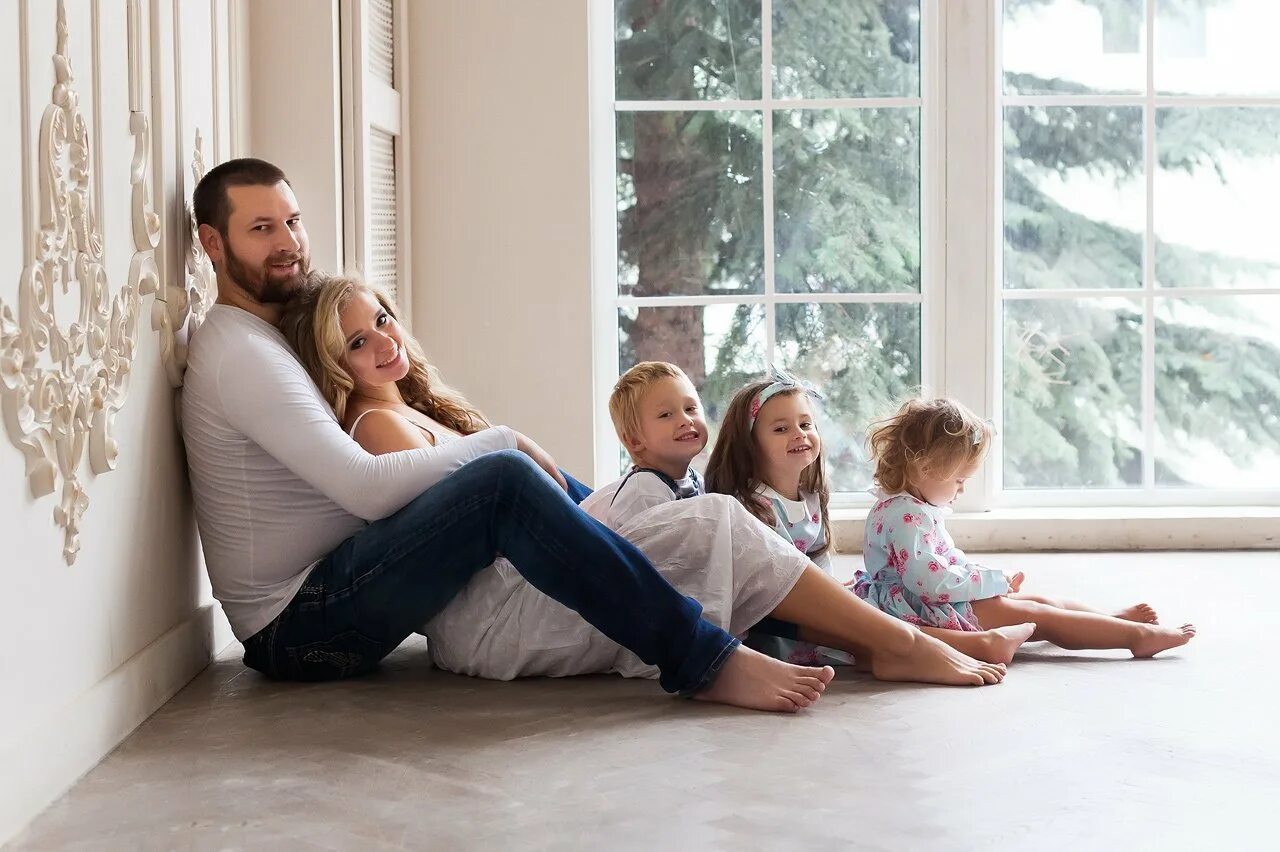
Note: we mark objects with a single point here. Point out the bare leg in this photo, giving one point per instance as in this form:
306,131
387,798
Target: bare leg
1138,612
819,604
989,646
1075,630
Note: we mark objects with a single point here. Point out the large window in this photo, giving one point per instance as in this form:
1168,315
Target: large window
1018,204
1141,314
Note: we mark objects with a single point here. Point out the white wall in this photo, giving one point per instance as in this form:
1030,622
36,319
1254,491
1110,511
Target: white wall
87,651
501,229
294,110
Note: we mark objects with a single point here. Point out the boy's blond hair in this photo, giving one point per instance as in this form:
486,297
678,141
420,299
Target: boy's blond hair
624,402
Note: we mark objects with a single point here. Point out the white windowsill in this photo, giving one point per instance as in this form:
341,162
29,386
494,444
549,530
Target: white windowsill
1096,528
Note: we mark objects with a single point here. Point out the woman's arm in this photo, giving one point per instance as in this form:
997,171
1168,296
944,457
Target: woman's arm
384,431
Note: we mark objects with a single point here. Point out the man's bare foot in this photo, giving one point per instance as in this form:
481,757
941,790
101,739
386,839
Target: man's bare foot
1156,639
1141,613
1002,643
930,661
751,680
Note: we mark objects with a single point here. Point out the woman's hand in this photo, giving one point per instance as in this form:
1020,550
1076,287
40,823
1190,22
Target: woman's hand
526,445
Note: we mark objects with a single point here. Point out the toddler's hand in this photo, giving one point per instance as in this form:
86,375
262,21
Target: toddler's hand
1015,582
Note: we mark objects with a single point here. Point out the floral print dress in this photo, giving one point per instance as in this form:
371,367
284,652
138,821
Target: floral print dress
914,570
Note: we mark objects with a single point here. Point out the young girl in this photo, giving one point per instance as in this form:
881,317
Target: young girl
769,456
924,454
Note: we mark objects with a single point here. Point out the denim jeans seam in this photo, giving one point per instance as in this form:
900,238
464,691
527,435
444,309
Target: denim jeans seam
713,669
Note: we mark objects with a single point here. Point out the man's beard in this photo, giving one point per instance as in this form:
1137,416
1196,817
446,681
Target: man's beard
261,284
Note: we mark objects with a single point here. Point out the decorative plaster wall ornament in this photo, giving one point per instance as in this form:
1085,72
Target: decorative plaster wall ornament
62,385
184,306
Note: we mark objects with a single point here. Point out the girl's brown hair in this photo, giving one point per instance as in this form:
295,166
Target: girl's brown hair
732,468
927,437
312,323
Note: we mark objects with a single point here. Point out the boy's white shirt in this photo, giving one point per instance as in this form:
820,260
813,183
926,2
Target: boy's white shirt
614,508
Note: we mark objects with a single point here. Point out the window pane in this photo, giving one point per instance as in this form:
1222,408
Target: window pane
1215,196
721,347
1074,197
690,203
1217,47
853,48
1218,392
1072,393
1074,46
687,49
864,358
847,200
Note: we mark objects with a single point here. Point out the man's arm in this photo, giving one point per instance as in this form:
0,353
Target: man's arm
266,394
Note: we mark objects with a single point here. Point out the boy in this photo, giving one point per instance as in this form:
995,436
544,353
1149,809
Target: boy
659,419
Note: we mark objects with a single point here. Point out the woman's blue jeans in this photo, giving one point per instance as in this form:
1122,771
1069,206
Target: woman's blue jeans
391,578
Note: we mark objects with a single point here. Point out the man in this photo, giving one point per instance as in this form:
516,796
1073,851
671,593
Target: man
326,557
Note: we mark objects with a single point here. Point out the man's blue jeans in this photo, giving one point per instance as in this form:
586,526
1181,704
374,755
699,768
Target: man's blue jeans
391,578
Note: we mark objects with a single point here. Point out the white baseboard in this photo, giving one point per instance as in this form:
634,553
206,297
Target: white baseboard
48,760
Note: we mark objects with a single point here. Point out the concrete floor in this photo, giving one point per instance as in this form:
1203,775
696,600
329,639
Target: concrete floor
1085,750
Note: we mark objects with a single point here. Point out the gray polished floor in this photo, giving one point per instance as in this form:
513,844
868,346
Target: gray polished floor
1085,750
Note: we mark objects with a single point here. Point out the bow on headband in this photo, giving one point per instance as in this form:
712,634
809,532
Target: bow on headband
780,380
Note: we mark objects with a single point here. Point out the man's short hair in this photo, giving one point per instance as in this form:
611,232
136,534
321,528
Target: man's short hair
210,203
624,402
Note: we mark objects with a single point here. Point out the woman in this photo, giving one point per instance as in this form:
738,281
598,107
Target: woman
390,399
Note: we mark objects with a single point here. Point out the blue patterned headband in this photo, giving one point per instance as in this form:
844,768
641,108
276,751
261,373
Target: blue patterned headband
780,380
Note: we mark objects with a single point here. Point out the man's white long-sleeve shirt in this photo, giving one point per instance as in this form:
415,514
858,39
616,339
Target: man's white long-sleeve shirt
277,483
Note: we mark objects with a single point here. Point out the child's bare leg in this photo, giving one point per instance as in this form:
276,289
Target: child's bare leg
992,646
820,604
1138,612
1076,630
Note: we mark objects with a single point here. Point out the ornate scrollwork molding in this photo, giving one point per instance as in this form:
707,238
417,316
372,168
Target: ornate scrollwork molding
185,305
61,385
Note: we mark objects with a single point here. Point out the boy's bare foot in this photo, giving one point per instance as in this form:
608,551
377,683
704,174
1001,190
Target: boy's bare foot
1141,613
930,661
1156,639
753,681
1003,642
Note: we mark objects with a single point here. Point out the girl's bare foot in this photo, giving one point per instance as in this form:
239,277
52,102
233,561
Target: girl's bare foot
1003,642
1141,613
753,681
930,661
1156,639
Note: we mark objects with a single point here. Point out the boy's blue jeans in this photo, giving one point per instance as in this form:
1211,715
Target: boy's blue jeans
391,578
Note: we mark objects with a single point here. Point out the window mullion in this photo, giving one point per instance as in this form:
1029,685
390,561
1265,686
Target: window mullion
970,327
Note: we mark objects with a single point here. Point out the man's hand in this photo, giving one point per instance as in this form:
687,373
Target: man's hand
526,445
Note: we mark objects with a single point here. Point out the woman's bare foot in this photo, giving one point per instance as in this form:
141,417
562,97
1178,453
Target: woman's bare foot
1156,639
1003,642
753,681
930,661
1141,613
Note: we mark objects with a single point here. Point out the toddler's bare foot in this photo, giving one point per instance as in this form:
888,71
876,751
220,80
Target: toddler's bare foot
1156,639
1003,642
751,680
1141,613
930,661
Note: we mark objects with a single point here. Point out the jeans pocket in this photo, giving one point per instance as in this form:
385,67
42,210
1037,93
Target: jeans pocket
344,655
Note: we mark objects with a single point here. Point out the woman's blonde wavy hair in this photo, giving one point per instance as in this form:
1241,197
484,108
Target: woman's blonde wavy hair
926,438
312,323
732,467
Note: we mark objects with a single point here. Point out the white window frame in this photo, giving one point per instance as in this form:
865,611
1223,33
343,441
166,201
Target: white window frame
607,302
370,104
962,243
